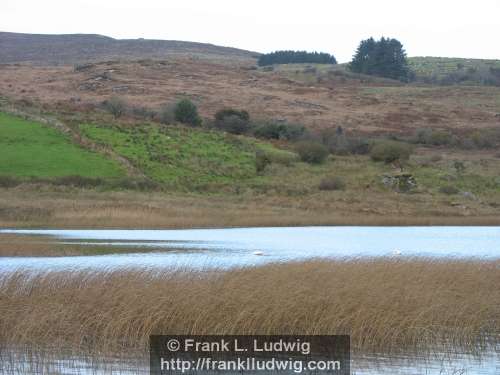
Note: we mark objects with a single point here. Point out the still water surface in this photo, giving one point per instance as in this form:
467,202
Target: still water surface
224,248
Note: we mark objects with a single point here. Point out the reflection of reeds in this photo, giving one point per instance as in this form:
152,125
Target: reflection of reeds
13,245
382,304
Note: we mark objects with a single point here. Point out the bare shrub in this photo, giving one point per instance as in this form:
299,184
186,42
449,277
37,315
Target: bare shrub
116,106
390,151
332,183
311,152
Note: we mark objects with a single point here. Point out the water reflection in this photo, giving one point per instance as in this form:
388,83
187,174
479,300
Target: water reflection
223,248
375,364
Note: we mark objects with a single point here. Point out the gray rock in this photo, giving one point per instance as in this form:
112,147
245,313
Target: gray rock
402,183
469,195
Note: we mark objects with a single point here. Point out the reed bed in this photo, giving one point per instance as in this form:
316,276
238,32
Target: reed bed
384,304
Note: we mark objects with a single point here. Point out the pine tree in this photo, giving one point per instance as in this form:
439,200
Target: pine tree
385,58
296,57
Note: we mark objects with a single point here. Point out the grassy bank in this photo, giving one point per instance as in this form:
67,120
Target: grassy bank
178,176
383,304
72,208
30,149
177,156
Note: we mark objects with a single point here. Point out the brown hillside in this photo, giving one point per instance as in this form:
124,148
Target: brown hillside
318,99
78,48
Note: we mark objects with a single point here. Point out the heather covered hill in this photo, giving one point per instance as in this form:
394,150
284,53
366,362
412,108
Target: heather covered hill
78,48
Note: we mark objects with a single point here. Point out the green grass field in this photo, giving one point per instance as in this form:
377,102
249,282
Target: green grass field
176,155
187,159
29,149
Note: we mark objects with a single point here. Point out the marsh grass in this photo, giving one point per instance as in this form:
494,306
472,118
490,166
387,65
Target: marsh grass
384,304
43,246
281,206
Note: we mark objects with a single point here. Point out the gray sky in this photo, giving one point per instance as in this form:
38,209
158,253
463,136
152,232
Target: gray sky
426,27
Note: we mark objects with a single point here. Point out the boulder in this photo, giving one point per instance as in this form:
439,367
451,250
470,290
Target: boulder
402,183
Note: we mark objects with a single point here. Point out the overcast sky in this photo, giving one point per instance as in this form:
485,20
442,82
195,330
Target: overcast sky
452,28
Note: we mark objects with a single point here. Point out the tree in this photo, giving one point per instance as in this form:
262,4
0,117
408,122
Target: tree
232,121
186,112
390,151
296,57
116,106
385,58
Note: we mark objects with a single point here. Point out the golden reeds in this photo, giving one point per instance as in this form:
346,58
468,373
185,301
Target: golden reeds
382,303
90,209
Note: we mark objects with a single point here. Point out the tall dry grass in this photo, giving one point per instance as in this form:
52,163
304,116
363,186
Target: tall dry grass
384,304
24,207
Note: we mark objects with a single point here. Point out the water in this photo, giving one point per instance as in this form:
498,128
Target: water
376,364
225,248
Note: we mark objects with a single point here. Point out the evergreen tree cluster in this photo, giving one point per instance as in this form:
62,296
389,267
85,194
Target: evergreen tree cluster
296,57
385,58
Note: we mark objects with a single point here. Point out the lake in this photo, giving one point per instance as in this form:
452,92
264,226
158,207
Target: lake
376,364
226,248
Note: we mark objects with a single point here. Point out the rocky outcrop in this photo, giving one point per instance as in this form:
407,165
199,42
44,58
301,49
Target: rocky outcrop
402,183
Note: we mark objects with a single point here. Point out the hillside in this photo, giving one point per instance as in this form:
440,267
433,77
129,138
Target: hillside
448,71
451,129
81,48
47,179
318,97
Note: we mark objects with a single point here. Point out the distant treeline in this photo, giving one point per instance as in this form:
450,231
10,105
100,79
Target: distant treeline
296,57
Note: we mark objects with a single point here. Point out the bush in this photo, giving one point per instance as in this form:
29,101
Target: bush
167,114
434,137
268,131
232,121
441,137
311,152
484,139
262,160
271,130
278,156
116,106
340,144
332,183
243,115
448,190
144,113
459,166
186,113
390,151
293,132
